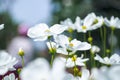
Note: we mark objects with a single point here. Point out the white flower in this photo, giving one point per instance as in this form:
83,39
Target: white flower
52,46
85,75
41,31
68,24
90,22
72,46
39,69
95,49
113,22
71,62
1,26
105,73
113,60
10,77
6,62
114,73
101,73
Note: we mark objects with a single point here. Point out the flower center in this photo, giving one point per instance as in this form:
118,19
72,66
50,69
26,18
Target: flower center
71,44
70,30
84,27
74,58
47,30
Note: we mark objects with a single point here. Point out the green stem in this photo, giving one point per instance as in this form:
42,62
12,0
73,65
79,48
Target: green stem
85,40
102,40
104,44
101,34
52,58
22,61
112,33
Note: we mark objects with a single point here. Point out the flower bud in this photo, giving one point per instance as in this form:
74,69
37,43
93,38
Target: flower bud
21,52
90,39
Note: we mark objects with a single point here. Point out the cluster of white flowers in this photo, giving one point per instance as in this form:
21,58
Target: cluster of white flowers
69,65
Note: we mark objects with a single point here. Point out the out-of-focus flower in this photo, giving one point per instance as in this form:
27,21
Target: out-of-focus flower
41,32
101,73
7,62
1,26
39,69
75,61
90,22
68,24
113,22
85,75
113,60
105,73
114,73
70,47
10,77
95,49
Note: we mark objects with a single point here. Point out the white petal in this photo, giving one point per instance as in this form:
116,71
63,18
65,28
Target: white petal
62,51
1,26
41,38
3,70
38,30
84,46
107,22
70,63
85,74
98,58
62,40
57,29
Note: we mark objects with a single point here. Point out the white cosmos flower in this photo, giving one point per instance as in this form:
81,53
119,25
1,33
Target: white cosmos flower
113,60
70,46
69,24
39,69
10,77
79,61
41,32
7,62
90,22
1,26
113,22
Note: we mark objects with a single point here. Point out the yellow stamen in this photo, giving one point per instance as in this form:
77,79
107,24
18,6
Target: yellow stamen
70,30
84,27
74,58
71,44
47,30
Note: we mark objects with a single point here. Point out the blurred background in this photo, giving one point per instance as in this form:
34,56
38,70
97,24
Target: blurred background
19,15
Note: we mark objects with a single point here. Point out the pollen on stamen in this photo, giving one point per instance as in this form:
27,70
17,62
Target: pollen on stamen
74,58
47,30
84,27
71,44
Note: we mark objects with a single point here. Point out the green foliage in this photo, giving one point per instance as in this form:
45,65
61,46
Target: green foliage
9,31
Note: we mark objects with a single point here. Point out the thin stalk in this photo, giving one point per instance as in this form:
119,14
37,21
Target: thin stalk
112,33
52,58
22,61
104,42
85,40
102,38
